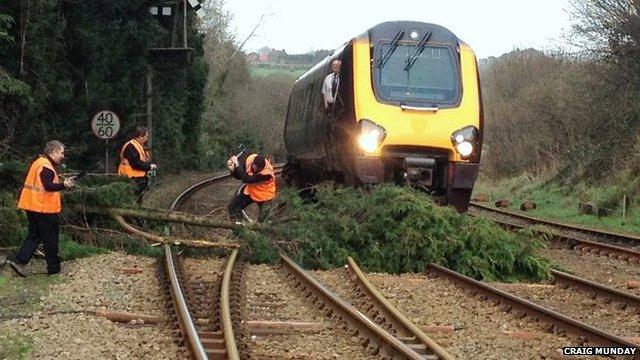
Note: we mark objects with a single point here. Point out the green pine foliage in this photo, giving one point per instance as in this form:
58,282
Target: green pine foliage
61,61
12,174
101,191
396,229
12,230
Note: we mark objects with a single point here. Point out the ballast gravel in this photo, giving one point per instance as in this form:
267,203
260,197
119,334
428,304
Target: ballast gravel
605,270
481,330
272,297
101,282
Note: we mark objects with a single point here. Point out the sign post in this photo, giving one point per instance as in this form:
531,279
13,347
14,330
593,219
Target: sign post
105,125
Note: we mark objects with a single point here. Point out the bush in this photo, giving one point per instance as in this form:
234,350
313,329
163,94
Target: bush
395,230
12,174
70,249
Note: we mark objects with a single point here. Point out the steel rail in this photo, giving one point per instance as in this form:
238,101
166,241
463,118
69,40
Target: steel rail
593,334
187,327
630,239
605,291
185,195
225,309
182,311
348,312
406,325
599,248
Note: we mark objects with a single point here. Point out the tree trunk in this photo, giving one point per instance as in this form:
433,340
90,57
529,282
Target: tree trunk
177,217
171,240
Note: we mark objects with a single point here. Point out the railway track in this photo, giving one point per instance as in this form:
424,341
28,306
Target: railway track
521,308
202,303
210,334
621,246
609,294
407,341
381,329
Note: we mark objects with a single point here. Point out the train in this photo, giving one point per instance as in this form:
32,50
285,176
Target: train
407,109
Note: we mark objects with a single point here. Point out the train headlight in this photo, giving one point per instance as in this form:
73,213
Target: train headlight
371,136
465,141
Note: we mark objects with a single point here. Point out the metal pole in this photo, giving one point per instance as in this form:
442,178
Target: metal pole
150,102
624,205
106,158
184,23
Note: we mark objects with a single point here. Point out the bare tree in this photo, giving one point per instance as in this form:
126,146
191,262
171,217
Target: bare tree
607,27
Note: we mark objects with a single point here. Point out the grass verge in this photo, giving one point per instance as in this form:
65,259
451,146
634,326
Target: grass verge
21,296
561,202
15,347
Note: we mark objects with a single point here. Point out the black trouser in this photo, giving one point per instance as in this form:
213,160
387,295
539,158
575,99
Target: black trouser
241,201
142,183
42,228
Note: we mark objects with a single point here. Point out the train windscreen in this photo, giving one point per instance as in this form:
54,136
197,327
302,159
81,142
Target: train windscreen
420,75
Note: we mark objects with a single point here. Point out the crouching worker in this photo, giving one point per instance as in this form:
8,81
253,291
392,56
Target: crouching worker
259,184
40,198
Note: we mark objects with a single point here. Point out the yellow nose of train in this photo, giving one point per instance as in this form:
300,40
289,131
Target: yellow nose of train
407,109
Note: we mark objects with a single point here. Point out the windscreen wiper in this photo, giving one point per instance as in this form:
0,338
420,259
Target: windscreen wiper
414,57
392,47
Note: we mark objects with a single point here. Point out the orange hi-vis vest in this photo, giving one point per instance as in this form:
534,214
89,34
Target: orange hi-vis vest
262,191
33,196
125,168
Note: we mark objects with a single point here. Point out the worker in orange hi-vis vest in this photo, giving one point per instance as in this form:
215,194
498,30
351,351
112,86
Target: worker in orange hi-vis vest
135,161
40,198
259,185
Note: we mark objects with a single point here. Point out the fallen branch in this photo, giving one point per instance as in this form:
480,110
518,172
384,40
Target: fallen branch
161,216
170,241
177,217
87,229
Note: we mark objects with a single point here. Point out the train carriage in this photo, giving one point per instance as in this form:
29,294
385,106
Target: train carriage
408,109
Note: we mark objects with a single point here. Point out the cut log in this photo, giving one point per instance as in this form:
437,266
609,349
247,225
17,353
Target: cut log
528,205
588,208
481,198
503,203
125,318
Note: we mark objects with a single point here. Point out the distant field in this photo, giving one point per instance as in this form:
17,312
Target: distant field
264,71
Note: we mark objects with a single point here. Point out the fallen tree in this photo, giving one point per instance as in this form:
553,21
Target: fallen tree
172,240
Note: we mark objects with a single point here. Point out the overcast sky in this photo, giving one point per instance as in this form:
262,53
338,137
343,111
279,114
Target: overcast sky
490,27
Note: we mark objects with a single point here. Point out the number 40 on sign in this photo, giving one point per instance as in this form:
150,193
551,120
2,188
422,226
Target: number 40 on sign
105,124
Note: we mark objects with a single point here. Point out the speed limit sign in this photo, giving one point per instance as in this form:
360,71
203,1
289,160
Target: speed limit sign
105,124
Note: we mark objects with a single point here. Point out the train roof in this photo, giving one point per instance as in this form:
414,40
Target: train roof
389,30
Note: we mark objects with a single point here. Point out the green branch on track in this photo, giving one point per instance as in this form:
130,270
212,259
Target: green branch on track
394,229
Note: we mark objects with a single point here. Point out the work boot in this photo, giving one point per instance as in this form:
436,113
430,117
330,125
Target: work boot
17,268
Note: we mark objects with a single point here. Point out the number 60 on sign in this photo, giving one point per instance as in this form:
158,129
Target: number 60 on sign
105,124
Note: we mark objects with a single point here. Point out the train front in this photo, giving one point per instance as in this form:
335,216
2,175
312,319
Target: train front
418,105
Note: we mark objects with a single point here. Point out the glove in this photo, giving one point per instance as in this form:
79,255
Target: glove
231,164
